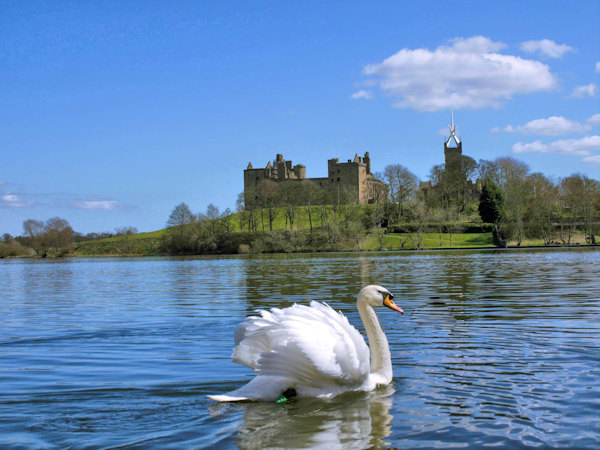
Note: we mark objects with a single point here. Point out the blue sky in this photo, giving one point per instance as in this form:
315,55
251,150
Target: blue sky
114,112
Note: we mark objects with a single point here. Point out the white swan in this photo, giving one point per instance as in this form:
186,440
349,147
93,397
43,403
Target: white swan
313,351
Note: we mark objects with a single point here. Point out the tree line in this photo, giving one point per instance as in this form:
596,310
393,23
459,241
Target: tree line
54,237
505,193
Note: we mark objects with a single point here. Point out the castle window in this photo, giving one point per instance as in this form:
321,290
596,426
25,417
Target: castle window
338,179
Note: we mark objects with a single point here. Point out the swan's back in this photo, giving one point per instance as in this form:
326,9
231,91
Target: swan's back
312,345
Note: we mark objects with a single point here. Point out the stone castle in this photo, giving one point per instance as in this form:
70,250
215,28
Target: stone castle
354,178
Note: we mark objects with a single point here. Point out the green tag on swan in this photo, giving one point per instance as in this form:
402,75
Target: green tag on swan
287,394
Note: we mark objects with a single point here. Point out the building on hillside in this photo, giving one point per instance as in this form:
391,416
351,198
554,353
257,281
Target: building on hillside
353,178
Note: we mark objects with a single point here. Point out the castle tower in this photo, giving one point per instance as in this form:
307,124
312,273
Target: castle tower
367,161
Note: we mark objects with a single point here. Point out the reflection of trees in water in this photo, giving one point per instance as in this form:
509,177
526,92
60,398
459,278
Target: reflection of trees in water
48,278
282,280
352,420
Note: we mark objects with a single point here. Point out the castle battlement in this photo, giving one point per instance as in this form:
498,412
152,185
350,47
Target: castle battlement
354,177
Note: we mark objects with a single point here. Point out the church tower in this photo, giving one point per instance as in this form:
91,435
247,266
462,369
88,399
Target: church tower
452,154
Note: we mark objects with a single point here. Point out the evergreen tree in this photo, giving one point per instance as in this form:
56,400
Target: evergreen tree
491,203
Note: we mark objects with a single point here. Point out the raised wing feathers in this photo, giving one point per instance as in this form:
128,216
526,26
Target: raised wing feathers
311,344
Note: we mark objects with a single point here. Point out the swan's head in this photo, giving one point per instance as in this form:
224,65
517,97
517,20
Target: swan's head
375,296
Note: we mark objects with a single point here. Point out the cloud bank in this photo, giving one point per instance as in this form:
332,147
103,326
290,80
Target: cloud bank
468,74
574,147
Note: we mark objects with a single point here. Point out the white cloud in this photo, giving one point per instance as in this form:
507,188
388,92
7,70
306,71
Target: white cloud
467,74
107,205
546,47
14,201
362,94
581,147
531,147
552,126
594,120
593,159
589,90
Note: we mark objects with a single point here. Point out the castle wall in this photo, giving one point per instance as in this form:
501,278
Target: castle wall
352,178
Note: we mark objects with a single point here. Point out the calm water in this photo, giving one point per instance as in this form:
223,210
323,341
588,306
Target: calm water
494,348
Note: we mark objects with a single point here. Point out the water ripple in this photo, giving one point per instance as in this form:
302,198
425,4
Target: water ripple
496,349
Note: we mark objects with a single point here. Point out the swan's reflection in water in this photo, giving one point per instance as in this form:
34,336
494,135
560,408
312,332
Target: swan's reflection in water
352,420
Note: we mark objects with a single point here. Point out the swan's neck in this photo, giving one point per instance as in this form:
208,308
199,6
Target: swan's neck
381,359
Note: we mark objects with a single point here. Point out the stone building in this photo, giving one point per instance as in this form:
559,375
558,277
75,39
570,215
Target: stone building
353,178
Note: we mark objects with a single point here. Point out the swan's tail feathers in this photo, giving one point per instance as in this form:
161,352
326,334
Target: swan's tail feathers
263,387
226,398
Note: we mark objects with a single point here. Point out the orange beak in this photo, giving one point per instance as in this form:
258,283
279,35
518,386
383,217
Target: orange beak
390,304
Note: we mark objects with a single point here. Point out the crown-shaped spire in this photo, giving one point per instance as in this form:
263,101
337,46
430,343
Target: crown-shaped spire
452,129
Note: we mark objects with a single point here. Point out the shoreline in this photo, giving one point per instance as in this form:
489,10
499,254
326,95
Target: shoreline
428,249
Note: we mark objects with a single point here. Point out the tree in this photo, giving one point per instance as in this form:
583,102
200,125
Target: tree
491,208
180,235
33,231
268,194
227,221
402,184
58,234
580,197
181,215
290,195
511,176
212,215
491,203
541,207
126,231
308,194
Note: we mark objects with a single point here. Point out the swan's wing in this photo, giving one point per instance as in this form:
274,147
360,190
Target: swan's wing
313,345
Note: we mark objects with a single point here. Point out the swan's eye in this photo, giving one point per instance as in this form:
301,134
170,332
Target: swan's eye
384,295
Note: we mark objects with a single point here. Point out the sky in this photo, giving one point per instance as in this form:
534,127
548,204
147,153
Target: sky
115,112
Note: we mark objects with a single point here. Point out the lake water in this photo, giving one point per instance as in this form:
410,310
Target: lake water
495,348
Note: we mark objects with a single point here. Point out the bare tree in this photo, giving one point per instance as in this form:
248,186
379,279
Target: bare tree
268,192
402,184
180,233
513,176
212,216
227,220
33,231
181,215
541,207
581,200
290,195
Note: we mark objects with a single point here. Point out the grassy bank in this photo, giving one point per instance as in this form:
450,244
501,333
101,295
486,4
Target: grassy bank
208,238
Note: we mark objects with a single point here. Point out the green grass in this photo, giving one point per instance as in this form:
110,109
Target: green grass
408,241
